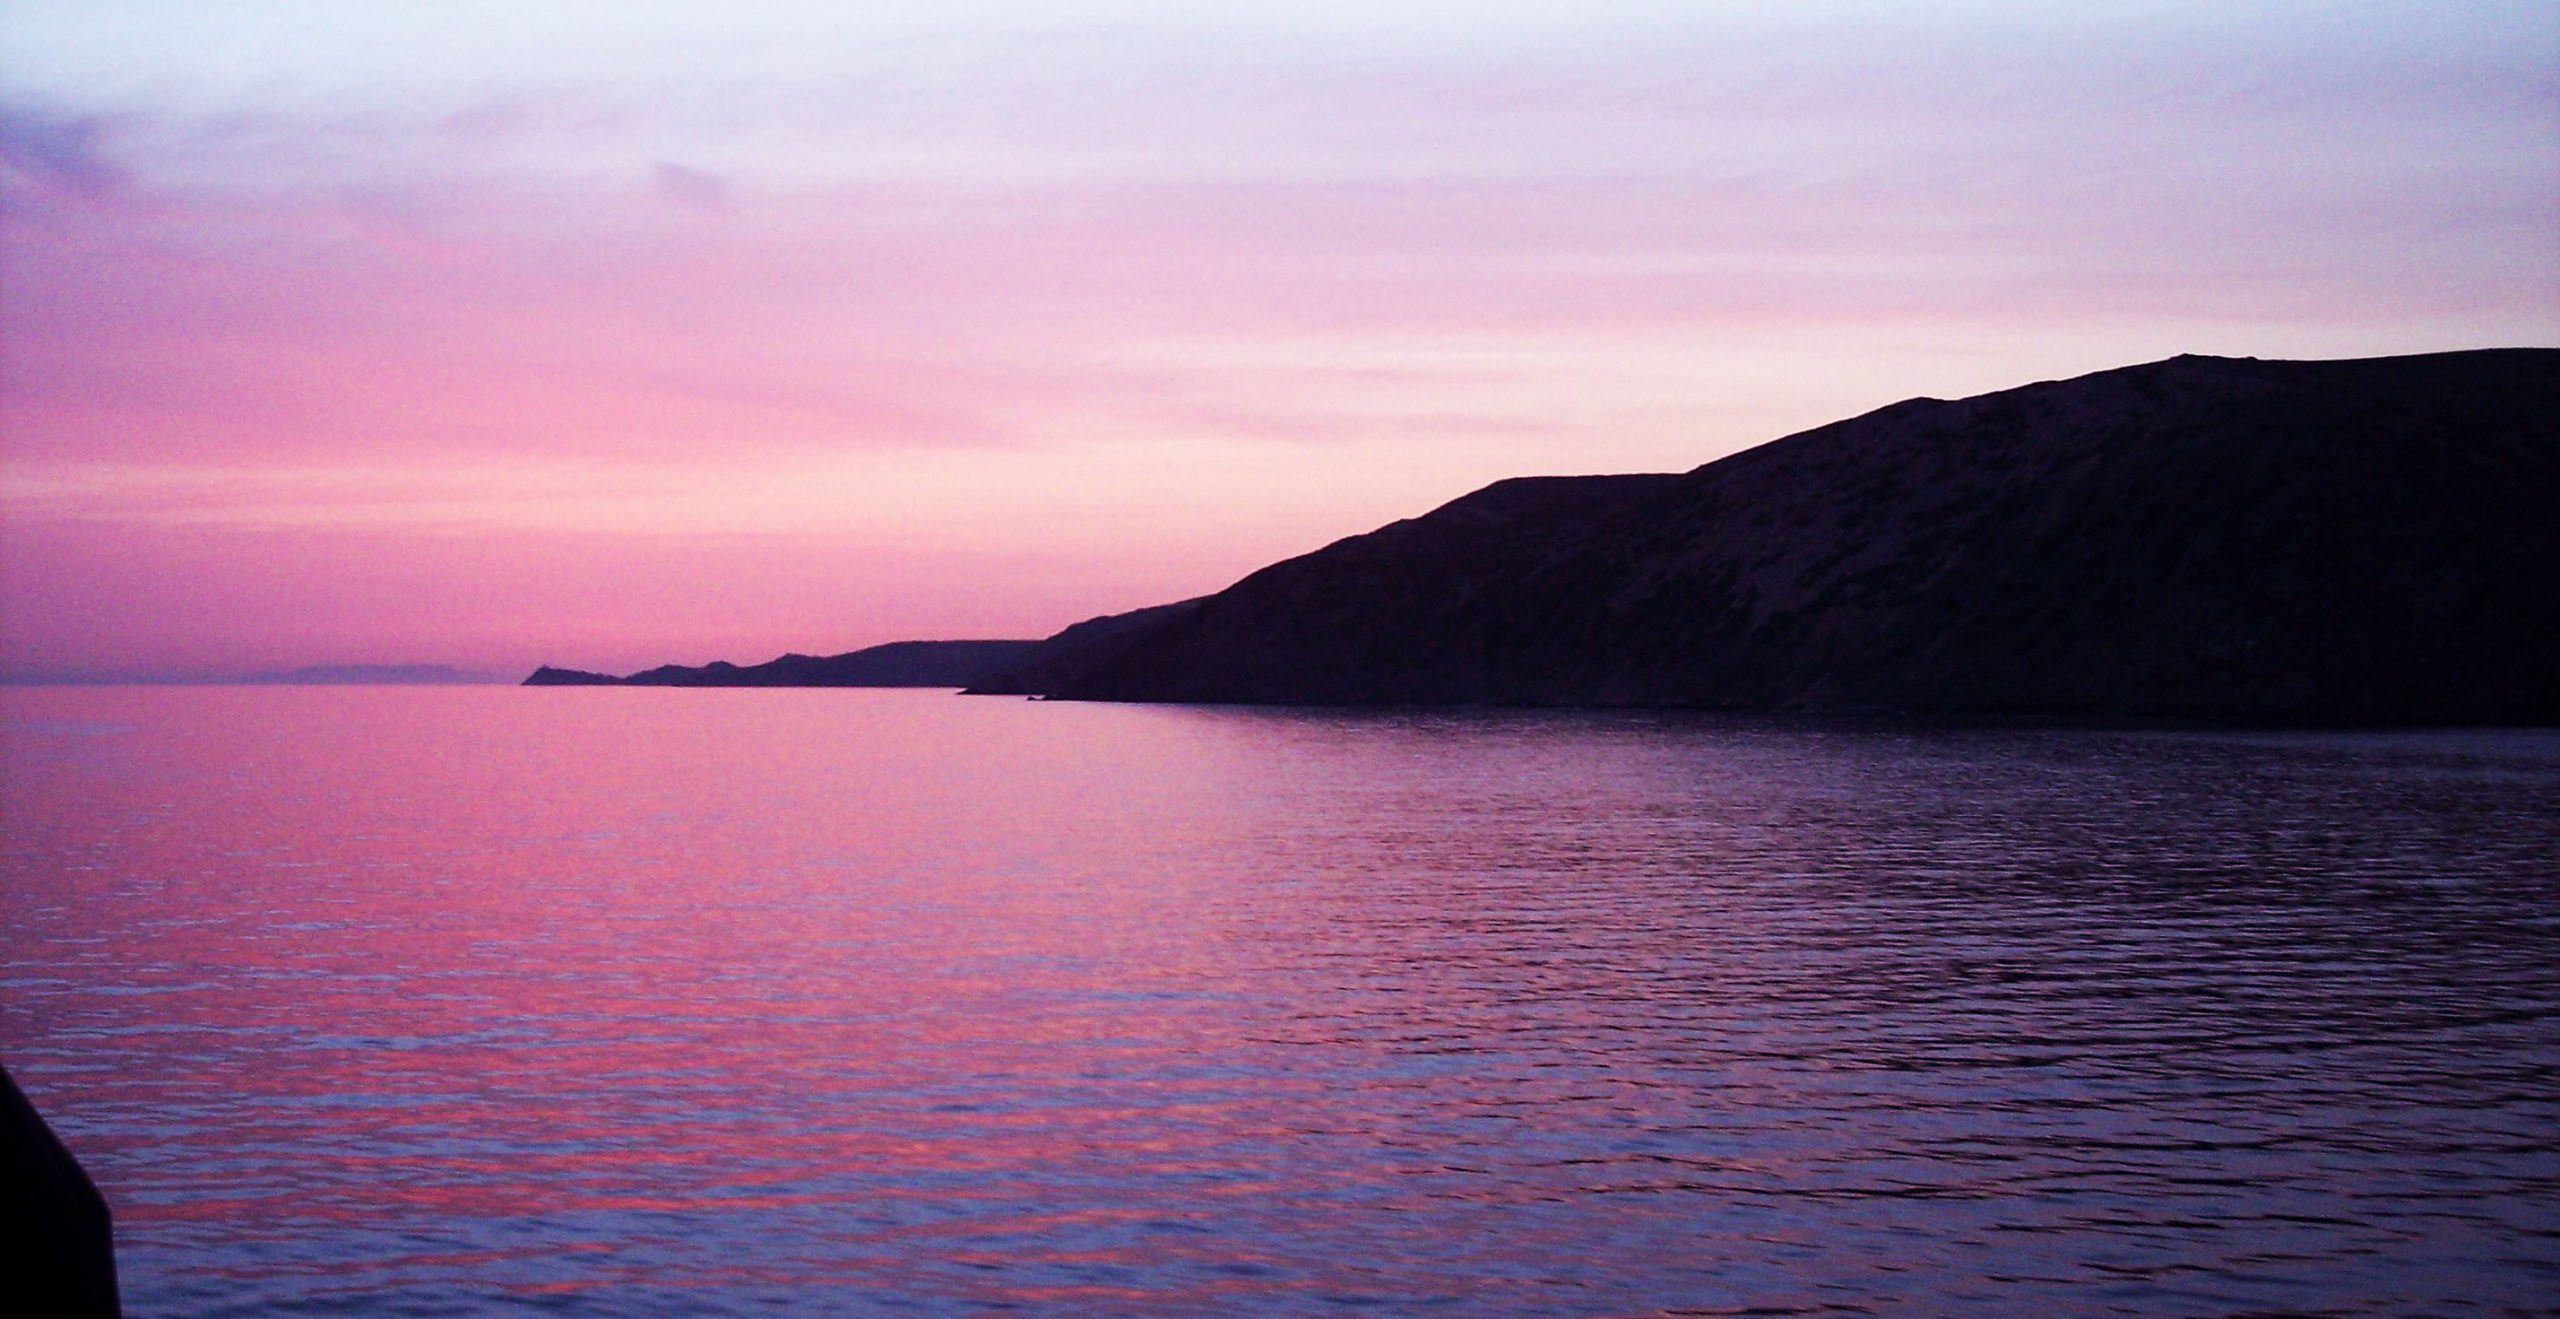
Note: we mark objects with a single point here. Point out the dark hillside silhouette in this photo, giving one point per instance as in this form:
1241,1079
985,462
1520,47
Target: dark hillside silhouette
2369,541
897,664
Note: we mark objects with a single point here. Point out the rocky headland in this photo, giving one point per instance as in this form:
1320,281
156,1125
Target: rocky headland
897,664
2365,541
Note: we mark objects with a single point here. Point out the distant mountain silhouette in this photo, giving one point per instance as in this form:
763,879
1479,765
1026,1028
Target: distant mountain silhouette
381,674
897,664
2341,541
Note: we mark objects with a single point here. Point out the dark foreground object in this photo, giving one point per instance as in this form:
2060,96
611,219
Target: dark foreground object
57,1249
2347,542
897,664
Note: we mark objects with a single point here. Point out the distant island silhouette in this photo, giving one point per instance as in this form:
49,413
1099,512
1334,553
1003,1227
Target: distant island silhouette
2367,541
369,675
897,664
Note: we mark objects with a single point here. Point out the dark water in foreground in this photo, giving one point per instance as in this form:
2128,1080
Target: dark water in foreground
630,1000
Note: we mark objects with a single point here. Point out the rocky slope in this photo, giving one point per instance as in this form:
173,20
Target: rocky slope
2344,541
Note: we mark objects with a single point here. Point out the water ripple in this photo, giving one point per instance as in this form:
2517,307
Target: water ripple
433,1002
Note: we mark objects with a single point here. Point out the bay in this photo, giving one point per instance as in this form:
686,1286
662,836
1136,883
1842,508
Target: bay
439,1000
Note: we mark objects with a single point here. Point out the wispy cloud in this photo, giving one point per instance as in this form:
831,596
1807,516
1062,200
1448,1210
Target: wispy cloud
692,189
62,154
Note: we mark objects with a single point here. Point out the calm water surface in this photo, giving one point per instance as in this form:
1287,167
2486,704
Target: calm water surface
608,1001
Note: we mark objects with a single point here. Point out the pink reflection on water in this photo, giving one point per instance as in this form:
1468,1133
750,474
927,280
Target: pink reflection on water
488,956
721,1000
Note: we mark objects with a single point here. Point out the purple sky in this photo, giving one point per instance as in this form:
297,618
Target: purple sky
610,334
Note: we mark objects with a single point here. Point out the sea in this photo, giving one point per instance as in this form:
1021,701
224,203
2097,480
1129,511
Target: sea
414,1000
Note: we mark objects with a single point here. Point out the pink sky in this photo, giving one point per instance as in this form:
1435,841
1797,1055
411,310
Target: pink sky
608,335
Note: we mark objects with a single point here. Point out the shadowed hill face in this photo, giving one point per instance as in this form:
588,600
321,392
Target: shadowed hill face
1064,655
2354,541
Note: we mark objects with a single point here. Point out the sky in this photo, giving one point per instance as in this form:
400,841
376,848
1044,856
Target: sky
618,333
